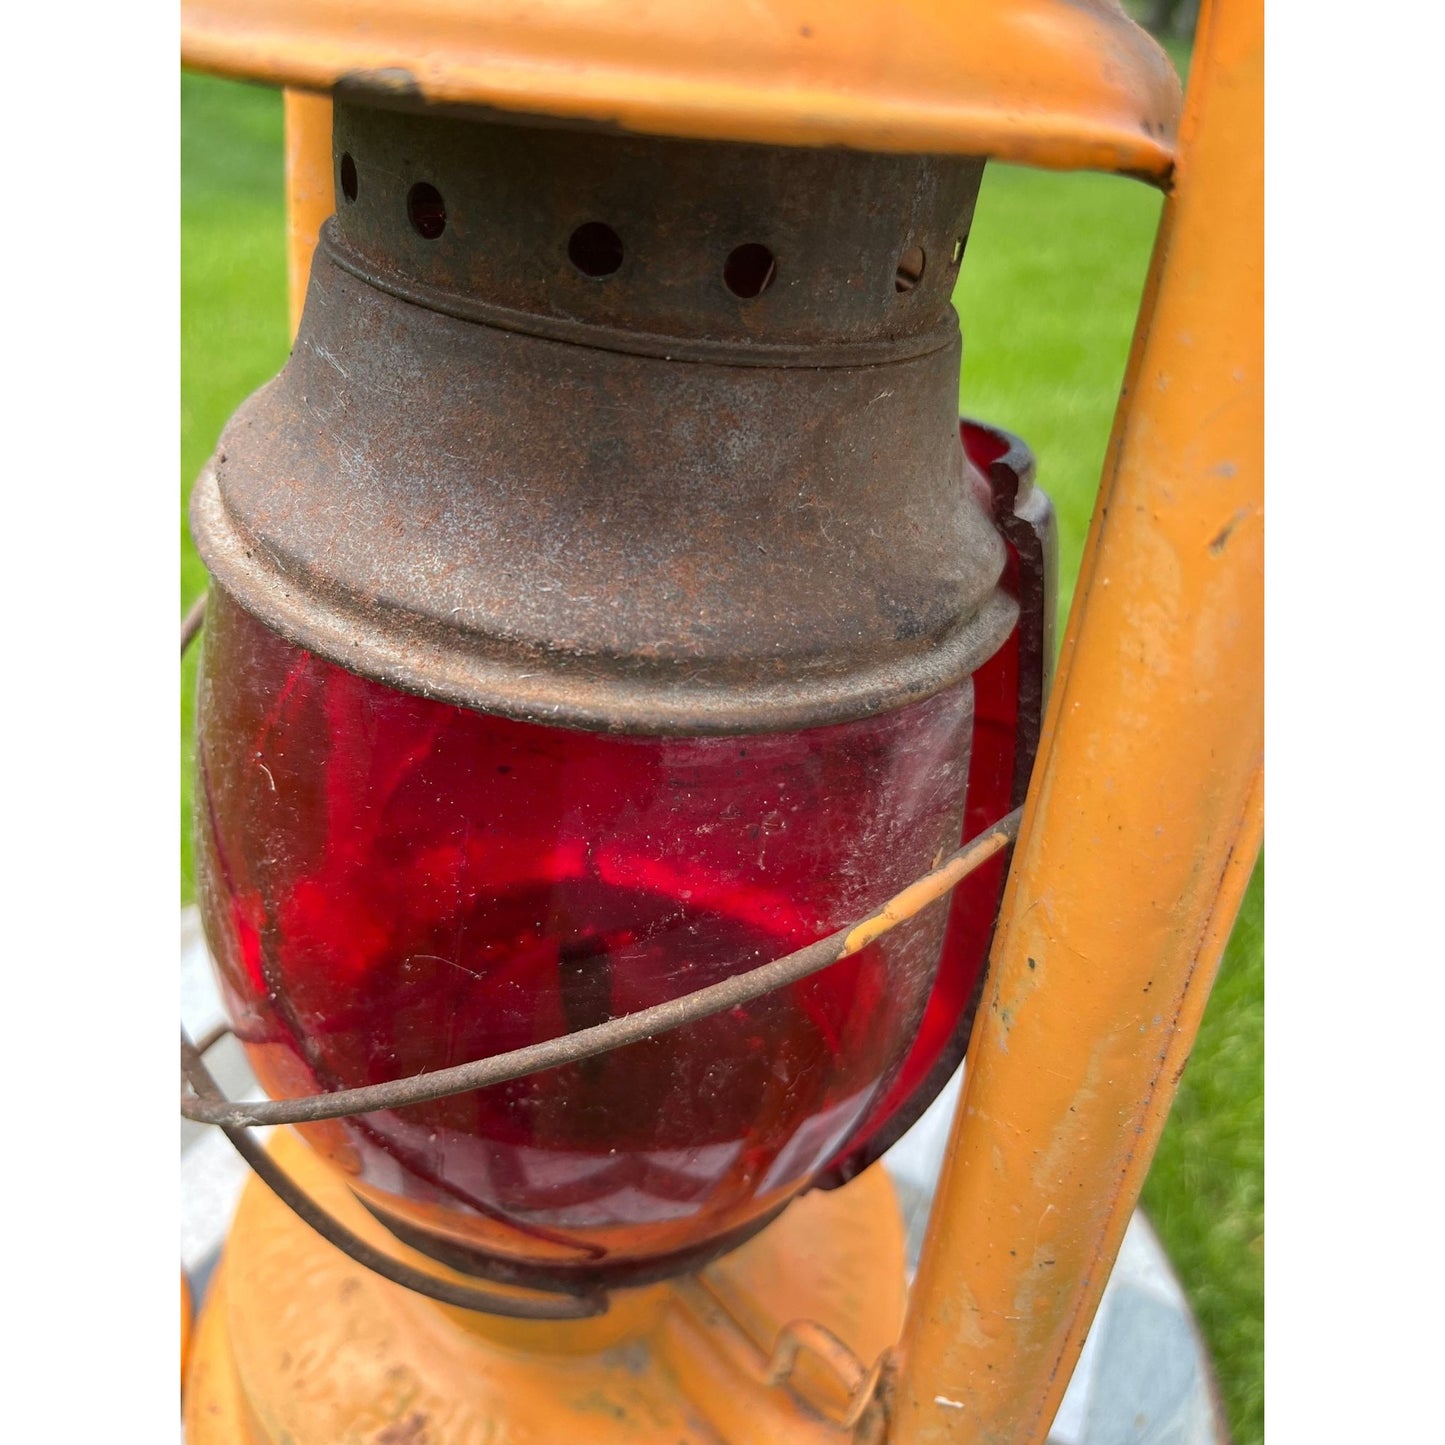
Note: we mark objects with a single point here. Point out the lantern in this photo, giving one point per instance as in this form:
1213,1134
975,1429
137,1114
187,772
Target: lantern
608,602
597,614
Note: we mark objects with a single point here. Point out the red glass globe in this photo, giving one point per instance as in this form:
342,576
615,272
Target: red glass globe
392,885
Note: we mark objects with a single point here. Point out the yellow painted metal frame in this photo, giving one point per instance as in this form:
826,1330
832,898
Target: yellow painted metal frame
310,189
1143,820
1145,814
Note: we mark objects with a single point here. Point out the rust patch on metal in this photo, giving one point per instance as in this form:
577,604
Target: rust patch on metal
1220,540
411,1431
392,82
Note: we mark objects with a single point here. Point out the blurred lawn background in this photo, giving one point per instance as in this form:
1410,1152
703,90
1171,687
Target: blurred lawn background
1047,297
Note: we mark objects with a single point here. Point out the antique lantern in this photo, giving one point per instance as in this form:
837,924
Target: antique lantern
597,608
608,603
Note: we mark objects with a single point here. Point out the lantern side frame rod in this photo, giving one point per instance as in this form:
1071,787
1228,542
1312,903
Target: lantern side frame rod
1143,820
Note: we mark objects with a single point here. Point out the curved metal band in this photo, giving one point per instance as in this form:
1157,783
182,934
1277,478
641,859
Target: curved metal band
207,1106
466,307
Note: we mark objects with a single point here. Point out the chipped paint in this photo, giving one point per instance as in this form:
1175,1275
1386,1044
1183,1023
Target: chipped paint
917,896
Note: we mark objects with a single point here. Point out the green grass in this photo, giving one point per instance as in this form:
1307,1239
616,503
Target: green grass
1047,298
1205,1192
233,303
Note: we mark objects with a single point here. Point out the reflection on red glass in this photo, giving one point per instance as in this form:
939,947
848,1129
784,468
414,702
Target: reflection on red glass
1009,694
938,1046
392,885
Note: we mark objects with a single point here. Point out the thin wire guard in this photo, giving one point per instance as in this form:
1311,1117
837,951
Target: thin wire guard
205,1105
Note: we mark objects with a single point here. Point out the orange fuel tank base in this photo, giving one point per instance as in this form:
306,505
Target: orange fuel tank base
769,1346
